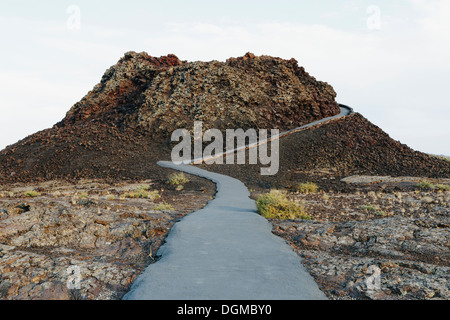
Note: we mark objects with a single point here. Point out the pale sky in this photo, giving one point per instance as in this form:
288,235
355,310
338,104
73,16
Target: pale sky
387,59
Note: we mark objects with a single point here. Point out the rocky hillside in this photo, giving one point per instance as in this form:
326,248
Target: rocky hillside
341,148
122,127
160,95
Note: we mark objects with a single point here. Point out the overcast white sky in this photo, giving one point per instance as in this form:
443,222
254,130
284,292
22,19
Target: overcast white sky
387,59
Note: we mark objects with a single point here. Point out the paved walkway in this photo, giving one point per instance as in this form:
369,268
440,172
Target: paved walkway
226,251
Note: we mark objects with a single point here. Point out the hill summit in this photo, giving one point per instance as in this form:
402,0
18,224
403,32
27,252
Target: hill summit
160,95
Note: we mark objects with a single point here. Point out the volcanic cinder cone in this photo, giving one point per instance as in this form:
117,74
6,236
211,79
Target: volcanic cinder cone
121,128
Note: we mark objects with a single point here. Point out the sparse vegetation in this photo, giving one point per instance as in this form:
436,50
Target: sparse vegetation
307,187
368,208
380,213
177,179
31,194
143,192
374,209
164,207
83,195
426,185
441,187
276,205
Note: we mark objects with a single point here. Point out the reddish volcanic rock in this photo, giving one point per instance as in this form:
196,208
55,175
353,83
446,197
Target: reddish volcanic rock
160,95
320,92
119,94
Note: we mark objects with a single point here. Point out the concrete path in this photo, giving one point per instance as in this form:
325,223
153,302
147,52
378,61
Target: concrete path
344,111
226,251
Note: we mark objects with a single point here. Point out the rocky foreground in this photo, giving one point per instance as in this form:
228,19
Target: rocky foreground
104,235
405,235
110,232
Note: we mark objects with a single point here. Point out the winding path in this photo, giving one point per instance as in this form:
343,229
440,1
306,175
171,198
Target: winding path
226,251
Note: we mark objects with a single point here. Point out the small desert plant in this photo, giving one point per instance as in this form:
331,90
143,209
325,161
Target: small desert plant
380,213
369,208
425,185
374,209
142,193
177,179
164,207
441,187
144,187
275,205
110,197
31,194
307,187
83,195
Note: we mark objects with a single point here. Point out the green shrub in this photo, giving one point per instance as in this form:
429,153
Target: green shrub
307,187
425,185
441,187
380,213
177,179
142,193
374,209
369,208
164,207
31,194
275,205
83,195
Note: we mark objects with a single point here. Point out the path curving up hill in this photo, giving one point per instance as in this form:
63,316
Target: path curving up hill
226,251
